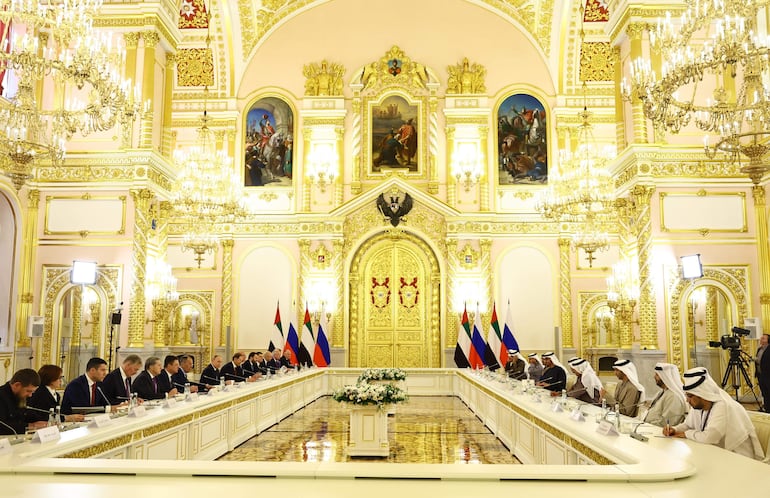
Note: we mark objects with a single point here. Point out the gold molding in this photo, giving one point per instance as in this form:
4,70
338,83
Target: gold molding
84,197
100,448
703,230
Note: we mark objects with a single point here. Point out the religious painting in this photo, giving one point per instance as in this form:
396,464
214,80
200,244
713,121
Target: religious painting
269,144
394,123
522,149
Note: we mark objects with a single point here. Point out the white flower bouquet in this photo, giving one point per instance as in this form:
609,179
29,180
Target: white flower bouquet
370,394
381,374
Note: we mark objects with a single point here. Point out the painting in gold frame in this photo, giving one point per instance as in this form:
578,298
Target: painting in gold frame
394,134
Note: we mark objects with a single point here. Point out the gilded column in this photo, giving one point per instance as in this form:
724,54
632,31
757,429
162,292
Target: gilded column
625,234
484,179
565,292
306,135
131,40
160,306
151,40
77,317
304,267
635,32
620,123
159,316
452,321
648,321
227,288
485,267
337,338
142,223
763,251
168,96
712,320
230,137
27,268
339,133
656,61
450,151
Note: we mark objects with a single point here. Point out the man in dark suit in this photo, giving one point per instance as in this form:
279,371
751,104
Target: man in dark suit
233,370
117,384
13,394
274,363
86,390
148,384
210,375
763,371
180,377
262,362
170,368
250,366
286,359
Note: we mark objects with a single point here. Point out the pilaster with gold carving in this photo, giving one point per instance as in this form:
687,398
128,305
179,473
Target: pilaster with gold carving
168,94
484,183
337,338
160,311
565,292
142,222
635,32
160,307
485,266
304,267
623,208
77,317
27,268
763,251
227,289
357,153
131,40
451,146
712,320
648,325
151,39
620,123
306,185
433,150
452,320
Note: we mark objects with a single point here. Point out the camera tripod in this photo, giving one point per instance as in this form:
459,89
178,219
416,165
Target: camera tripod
735,369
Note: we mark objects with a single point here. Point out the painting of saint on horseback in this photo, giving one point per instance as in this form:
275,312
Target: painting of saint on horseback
522,148
394,134
269,144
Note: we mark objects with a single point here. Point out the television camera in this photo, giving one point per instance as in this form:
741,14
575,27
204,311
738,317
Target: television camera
739,360
731,341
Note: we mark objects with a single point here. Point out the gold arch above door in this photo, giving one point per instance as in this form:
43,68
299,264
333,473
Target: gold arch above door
394,302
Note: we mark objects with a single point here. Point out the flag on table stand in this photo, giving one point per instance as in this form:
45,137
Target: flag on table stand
292,342
478,344
463,347
321,356
494,343
509,341
277,340
306,342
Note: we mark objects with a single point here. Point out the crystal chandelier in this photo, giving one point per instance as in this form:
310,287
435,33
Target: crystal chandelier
56,40
735,58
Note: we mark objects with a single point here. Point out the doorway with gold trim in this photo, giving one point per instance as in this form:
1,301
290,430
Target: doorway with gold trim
394,303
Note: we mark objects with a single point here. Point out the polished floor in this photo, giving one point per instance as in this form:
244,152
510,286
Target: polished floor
425,429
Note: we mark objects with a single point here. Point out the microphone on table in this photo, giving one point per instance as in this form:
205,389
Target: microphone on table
27,407
236,376
16,436
637,436
99,388
210,378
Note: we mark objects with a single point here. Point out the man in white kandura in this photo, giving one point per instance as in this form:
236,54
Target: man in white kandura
670,404
715,417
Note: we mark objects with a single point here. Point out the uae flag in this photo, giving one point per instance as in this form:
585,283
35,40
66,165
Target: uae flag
494,343
307,342
463,347
276,339
321,356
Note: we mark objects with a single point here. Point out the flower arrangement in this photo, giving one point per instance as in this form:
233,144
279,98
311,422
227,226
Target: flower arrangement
369,394
382,374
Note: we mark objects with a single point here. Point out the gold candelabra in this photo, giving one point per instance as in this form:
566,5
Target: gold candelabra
623,289
322,165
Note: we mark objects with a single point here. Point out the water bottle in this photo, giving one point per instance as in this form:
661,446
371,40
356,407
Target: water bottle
187,387
58,416
617,417
52,420
604,409
564,395
222,383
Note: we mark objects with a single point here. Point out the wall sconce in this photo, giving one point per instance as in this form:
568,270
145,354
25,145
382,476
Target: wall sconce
90,302
466,164
322,165
160,289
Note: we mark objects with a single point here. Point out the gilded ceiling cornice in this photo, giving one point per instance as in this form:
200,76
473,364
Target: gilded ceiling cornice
139,22
640,12
259,17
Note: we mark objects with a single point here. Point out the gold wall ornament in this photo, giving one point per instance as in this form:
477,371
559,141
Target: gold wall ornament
142,199
323,79
466,78
227,292
193,15
642,195
597,61
588,304
565,292
734,282
468,257
195,67
321,257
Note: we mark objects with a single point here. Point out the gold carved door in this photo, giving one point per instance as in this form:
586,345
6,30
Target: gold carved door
394,295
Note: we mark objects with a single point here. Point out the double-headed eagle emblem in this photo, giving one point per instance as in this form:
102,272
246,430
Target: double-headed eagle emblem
395,210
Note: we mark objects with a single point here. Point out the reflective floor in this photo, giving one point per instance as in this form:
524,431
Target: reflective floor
423,430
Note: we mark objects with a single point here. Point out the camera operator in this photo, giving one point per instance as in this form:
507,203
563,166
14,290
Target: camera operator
762,372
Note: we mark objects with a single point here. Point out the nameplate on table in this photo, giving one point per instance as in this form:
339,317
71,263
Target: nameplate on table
5,446
46,434
213,391
577,416
607,428
101,420
169,403
192,397
556,407
137,411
